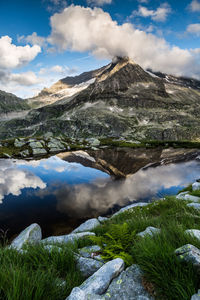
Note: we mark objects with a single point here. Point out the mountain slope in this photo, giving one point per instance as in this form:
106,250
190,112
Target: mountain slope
11,103
124,101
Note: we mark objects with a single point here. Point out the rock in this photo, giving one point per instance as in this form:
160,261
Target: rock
51,248
68,238
55,145
24,153
35,144
196,186
87,266
196,296
189,253
87,251
93,142
102,219
181,196
149,231
128,285
194,205
87,226
30,235
19,143
39,151
98,282
129,207
194,232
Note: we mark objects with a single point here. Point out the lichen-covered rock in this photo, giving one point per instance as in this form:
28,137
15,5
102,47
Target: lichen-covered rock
129,207
77,294
87,226
87,266
194,232
196,186
149,231
30,235
196,296
68,238
194,205
89,250
189,253
128,285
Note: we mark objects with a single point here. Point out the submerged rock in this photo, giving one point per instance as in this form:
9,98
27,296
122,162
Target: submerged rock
68,238
194,232
87,226
30,235
130,207
149,231
128,285
189,253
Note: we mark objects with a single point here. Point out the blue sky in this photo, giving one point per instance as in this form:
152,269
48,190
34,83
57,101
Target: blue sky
42,41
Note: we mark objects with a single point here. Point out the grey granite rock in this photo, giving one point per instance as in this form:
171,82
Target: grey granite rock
24,153
102,219
87,266
194,205
87,226
30,235
181,196
128,285
89,250
196,186
19,143
77,294
189,253
141,204
196,296
187,197
194,232
67,238
149,231
51,248
39,151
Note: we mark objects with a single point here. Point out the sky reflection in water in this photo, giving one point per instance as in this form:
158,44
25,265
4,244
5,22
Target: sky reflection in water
50,188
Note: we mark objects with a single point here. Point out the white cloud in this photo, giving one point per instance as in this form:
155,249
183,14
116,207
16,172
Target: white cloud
159,15
27,78
143,1
99,2
12,56
85,29
194,29
195,6
55,5
33,39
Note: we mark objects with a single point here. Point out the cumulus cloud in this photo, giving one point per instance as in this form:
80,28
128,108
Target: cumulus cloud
195,6
194,29
33,39
12,56
99,2
13,180
58,70
159,15
54,5
85,29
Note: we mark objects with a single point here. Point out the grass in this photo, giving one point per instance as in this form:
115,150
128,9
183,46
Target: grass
171,278
38,274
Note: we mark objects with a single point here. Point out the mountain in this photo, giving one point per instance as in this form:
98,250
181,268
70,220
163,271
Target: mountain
121,100
11,103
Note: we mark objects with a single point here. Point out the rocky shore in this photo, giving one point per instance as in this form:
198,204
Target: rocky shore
112,280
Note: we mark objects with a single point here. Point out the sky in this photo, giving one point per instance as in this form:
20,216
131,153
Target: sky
42,41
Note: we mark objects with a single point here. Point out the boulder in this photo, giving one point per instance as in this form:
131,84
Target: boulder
39,151
68,238
129,207
196,186
194,232
189,253
102,219
99,281
194,205
128,285
187,197
51,248
30,235
87,266
24,153
89,250
181,196
87,226
196,296
149,231
19,143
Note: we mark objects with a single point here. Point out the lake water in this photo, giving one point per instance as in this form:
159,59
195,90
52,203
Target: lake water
59,194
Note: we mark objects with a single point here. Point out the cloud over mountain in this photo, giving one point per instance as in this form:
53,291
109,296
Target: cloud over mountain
84,29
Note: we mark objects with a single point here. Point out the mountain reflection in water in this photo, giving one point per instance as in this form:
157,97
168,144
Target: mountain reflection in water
59,194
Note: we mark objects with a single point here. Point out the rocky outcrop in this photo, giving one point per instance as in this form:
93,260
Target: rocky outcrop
30,235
